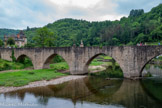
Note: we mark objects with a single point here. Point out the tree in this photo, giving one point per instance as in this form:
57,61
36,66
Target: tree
1,43
141,38
136,13
27,28
12,56
10,41
44,38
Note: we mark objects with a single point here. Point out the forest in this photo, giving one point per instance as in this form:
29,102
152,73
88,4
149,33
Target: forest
138,27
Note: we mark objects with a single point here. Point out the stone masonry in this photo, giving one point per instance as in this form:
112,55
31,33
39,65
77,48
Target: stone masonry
132,59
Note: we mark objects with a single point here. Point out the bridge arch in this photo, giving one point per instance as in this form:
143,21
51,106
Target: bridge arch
87,63
90,60
23,56
142,68
48,60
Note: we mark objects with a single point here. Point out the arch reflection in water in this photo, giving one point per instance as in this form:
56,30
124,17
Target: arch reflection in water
87,93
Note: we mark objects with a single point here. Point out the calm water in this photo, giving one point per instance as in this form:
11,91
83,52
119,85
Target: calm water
90,92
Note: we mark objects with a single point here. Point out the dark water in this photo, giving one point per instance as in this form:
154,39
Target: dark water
90,92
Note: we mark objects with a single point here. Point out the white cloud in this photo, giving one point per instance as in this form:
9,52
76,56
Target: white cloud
80,3
34,13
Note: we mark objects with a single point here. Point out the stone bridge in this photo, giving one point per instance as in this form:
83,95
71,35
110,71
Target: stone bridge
132,59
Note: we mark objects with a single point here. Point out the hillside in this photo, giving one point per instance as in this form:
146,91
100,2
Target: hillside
7,32
138,27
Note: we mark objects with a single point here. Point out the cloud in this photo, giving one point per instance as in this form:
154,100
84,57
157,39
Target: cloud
94,10
78,3
19,14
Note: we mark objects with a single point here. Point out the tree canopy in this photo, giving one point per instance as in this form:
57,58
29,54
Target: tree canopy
44,38
10,41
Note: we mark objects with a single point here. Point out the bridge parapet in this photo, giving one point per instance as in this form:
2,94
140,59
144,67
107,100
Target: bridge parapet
131,59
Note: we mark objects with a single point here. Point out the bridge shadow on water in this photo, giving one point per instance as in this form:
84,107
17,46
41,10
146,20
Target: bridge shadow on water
126,93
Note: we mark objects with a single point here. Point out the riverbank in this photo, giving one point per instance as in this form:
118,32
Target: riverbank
24,77
43,83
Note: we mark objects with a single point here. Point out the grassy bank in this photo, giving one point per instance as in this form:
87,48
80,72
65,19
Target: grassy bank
24,77
59,66
109,73
21,78
7,65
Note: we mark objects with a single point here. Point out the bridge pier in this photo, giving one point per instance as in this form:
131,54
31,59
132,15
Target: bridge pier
132,59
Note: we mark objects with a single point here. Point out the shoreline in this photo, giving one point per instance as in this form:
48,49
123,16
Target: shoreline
42,83
58,80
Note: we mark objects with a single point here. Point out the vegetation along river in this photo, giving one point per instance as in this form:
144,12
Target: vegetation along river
89,92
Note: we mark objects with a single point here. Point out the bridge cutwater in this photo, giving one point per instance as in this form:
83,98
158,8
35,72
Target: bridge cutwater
132,59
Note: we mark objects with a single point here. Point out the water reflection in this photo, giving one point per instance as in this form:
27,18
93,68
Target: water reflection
153,86
90,92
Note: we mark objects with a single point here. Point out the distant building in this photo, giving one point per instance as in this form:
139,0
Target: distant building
20,39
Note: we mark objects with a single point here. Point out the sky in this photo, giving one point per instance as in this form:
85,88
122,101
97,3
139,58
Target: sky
18,14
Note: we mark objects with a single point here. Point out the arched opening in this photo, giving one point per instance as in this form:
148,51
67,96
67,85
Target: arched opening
15,64
153,68
103,65
56,62
26,61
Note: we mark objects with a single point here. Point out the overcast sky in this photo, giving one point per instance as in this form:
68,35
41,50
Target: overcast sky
18,14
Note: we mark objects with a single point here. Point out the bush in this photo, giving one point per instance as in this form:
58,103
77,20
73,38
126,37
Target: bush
58,59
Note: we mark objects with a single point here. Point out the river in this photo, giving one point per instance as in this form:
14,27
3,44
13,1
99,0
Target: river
89,92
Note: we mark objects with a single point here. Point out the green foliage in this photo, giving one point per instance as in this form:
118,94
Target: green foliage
141,38
153,87
58,59
21,78
1,43
7,65
44,38
109,72
136,13
26,62
130,43
29,45
13,56
8,32
10,41
114,73
148,74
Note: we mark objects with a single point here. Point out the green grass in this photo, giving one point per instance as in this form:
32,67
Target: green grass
59,66
107,57
154,43
8,65
96,63
21,78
